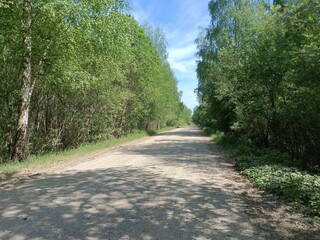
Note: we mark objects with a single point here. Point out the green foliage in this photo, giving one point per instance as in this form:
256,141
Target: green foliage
184,115
275,172
293,184
259,74
98,75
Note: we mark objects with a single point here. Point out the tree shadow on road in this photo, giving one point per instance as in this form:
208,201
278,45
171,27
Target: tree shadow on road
132,203
119,203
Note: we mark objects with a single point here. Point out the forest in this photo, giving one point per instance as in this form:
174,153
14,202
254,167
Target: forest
74,72
79,73
259,75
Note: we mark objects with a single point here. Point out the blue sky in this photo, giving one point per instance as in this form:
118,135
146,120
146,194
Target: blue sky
180,20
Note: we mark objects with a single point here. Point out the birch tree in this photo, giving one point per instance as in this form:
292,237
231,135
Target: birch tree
27,83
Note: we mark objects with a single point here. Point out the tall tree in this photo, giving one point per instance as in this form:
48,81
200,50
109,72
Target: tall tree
93,73
27,83
257,67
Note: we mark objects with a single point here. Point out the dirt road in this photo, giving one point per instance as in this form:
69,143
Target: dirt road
176,185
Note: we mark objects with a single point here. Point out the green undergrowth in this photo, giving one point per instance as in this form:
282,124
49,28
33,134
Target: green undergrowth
12,167
274,172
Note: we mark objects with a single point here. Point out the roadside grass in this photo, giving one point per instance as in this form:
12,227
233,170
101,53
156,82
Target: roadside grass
274,172
32,161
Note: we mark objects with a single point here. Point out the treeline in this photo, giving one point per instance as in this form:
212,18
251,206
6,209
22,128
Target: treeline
259,74
79,71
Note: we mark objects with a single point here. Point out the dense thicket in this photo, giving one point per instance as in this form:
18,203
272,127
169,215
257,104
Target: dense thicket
78,71
259,74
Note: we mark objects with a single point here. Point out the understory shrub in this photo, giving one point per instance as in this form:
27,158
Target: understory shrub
275,172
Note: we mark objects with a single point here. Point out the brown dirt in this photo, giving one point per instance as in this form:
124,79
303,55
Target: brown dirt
177,185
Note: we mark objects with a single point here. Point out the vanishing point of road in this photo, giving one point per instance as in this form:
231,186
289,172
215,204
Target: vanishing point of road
176,185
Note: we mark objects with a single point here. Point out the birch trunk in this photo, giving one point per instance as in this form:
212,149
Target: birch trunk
18,151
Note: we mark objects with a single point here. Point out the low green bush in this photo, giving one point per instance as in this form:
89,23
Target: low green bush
293,184
275,172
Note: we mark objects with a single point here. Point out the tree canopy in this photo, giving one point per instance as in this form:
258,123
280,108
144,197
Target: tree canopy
79,71
258,70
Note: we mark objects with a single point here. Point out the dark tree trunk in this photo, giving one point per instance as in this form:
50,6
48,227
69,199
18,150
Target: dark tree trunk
18,151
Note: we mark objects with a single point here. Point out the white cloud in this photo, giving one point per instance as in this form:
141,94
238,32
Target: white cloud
197,14
140,14
182,52
183,66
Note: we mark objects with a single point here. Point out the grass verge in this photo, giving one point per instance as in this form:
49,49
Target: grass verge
12,167
274,172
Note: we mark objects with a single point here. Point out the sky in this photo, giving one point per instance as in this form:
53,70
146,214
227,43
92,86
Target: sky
180,20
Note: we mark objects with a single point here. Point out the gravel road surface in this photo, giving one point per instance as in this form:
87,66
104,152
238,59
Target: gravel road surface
176,185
